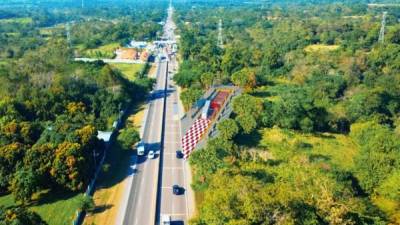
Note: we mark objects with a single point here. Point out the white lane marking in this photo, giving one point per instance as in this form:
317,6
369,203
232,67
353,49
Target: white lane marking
172,132
172,168
175,214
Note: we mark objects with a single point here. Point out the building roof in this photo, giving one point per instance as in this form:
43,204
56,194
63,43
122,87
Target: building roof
138,44
126,53
104,135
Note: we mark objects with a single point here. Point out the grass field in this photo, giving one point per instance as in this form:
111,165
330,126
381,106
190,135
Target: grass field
335,149
6,200
22,20
321,48
128,70
55,209
104,51
3,63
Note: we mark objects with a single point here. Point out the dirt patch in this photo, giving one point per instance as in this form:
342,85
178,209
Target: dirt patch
153,71
107,202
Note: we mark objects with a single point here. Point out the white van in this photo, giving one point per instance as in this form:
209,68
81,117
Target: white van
165,220
140,148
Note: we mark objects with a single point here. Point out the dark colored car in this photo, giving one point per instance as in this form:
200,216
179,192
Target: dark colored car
179,154
176,189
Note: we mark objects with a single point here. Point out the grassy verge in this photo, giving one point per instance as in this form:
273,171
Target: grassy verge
153,71
111,183
110,187
54,208
128,70
104,51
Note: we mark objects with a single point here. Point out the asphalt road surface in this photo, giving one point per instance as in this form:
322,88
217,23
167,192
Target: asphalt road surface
150,194
143,193
173,171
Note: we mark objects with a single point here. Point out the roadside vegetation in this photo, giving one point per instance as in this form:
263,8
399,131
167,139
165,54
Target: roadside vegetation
51,108
129,71
314,138
111,183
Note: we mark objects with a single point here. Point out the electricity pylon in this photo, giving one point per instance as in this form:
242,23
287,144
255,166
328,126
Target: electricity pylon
220,41
382,31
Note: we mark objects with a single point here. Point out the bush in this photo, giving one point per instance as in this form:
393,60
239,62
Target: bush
128,137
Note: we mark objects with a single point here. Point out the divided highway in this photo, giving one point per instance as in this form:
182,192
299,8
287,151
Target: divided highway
141,205
149,191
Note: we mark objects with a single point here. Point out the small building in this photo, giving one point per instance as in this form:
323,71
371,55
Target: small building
104,135
144,56
138,44
127,53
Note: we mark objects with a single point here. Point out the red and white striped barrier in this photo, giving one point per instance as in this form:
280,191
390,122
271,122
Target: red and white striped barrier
193,136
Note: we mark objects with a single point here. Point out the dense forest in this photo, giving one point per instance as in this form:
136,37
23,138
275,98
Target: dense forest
51,108
314,138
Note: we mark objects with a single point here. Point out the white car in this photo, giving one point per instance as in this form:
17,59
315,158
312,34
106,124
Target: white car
140,148
165,220
151,154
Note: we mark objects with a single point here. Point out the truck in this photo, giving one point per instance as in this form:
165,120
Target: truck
165,219
140,148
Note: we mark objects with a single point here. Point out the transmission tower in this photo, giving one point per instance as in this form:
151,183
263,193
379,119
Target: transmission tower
382,31
68,31
220,41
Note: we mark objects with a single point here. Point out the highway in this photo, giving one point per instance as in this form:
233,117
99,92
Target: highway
174,171
142,195
149,191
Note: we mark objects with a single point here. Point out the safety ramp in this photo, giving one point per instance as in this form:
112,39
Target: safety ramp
205,117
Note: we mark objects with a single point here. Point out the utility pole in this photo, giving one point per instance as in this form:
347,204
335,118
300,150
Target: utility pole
220,41
382,31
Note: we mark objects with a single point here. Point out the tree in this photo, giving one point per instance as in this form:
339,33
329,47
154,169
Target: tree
247,122
364,104
207,79
378,157
190,96
24,185
240,202
247,104
208,160
128,137
10,155
18,215
296,110
70,167
245,78
272,58
40,158
227,129
86,203
389,187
